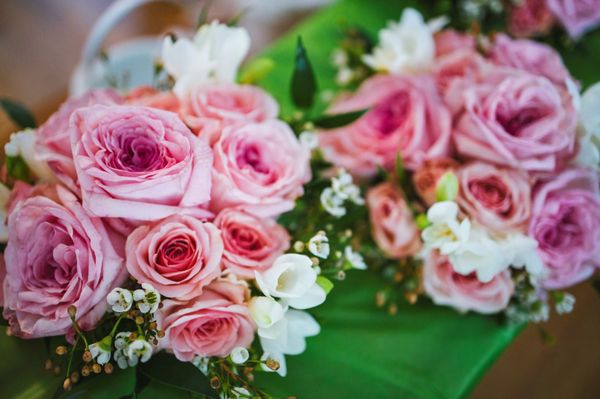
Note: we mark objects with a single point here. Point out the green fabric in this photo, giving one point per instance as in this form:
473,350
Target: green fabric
423,352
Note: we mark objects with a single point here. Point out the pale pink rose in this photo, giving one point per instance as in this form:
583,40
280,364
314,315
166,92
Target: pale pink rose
57,256
536,58
425,179
251,243
516,119
2,279
406,116
212,324
448,41
53,140
209,108
150,97
465,293
139,163
21,191
530,18
178,255
260,166
497,198
392,224
577,16
566,224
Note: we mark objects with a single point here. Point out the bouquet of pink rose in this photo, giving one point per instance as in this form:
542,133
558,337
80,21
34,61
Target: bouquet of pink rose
481,164
146,221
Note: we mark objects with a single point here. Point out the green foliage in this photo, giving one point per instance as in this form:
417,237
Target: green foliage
325,283
256,70
304,82
338,120
17,169
20,115
447,187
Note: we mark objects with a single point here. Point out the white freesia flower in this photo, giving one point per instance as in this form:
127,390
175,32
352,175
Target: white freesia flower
445,233
23,144
214,55
354,258
293,279
138,350
120,300
101,350
309,139
266,313
147,298
333,203
4,195
319,245
405,46
589,127
520,251
239,355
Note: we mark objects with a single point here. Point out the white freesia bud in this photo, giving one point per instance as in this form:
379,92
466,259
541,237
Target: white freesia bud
214,55
239,355
319,245
101,350
265,311
120,300
23,144
354,258
333,203
147,298
292,278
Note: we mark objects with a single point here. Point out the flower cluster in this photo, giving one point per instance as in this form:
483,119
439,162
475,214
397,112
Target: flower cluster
481,162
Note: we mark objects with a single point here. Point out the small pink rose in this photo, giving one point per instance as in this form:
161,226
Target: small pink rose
212,324
139,163
259,166
251,243
58,256
406,116
448,41
465,293
497,198
577,16
178,255
392,224
150,97
530,18
425,179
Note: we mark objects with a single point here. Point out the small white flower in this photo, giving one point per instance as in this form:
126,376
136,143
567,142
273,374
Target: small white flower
279,358
589,129
344,76
309,139
566,304
147,298
101,350
520,251
120,299
292,338
138,350
354,258
201,364
339,58
319,245
23,144
445,233
542,314
344,188
239,355
333,204
266,312
479,254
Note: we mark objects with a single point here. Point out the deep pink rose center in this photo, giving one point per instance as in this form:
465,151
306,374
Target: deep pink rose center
492,193
389,114
176,256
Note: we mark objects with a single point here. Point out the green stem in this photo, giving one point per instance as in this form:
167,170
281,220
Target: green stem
71,357
114,329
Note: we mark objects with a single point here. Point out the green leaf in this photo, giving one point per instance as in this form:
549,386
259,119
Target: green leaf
421,221
596,284
447,187
3,321
400,171
18,113
203,17
325,283
338,120
256,70
17,168
304,83
166,369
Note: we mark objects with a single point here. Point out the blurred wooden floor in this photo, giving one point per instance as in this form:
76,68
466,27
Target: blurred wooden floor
40,42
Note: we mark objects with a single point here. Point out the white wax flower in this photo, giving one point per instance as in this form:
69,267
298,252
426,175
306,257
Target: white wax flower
239,355
23,144
309,139
201,364
138,350
405,46
344,188
566,304
319,245
333,203
354,258
101,350
120,300
214,55
147,298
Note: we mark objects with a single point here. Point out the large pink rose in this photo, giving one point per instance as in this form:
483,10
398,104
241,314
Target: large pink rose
530,18
577,16
251,243
566,224
139,163
209,108
536,58
516,119
57,256
261,166
465,293
406,116
392,224
497,198
425,179
178,255
212,324
53,141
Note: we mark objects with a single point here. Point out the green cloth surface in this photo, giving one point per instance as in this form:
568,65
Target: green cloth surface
362,352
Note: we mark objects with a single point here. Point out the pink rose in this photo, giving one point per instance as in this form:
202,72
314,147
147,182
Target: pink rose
251,243
261,166
448,41
446,287
530,18
406,116
497,198
139,163
425,179
516,119
53,141
57,256
535,58
392,224
212,324
566,224
577,16
209,108
150,97
178,255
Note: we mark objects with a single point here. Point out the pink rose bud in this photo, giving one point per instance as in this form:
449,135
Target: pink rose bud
425,179
150,97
